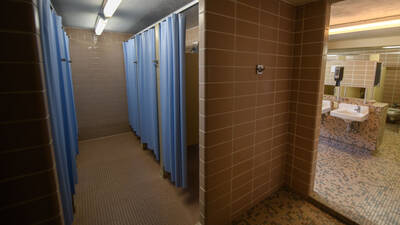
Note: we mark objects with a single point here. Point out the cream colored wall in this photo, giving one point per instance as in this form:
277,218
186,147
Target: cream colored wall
364,42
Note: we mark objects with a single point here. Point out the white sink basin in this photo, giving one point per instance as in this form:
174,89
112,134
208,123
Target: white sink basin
349,112
326,106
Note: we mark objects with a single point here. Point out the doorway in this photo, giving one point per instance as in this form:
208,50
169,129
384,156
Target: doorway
358,169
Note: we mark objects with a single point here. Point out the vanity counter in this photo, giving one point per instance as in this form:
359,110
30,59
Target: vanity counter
369,134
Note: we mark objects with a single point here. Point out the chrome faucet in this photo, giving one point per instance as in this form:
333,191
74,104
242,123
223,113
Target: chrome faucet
358,109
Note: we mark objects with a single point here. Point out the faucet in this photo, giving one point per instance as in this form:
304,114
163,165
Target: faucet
358,108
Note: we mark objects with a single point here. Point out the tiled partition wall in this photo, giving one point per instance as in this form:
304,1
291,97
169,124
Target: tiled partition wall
192,35
391,89
245,118
311,36
391,86
27,174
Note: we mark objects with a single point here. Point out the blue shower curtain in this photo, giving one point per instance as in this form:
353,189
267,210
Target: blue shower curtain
131,83
60,104
128,82
70,95
147,90
68,111
172,92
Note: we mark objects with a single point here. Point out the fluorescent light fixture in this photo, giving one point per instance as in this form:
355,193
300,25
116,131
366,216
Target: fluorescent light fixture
365,27
110,7
392,46
331,55
391,53
101,24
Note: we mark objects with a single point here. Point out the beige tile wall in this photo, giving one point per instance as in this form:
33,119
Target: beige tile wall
312,26
391,90
244,118
357,73
28,188
99,82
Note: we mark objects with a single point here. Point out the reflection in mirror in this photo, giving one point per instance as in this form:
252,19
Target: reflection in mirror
373,73
352,92
329,90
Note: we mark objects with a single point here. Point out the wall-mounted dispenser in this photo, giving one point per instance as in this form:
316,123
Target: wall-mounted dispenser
378,74
338,70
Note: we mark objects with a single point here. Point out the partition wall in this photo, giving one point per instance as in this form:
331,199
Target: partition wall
60,97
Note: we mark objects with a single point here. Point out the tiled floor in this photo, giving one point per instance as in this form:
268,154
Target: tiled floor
363,185
285,208
120,184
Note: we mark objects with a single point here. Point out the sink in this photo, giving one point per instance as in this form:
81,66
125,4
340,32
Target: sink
326,106
348,112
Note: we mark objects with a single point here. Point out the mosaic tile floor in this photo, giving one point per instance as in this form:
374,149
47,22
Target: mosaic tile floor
284,208
363,185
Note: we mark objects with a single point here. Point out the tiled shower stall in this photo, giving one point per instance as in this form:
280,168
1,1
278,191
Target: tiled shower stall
258,133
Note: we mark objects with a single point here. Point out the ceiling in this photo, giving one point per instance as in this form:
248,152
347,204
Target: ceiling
130,17
135,15
350,11
361,11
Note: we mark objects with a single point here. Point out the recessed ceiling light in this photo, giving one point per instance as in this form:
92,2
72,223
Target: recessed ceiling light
365,27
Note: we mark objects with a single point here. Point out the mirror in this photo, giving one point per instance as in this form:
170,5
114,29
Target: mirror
329,90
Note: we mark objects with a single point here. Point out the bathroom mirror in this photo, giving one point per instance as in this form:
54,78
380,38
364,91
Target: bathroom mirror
329,90
352,92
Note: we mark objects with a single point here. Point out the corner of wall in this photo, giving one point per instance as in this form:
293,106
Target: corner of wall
311,35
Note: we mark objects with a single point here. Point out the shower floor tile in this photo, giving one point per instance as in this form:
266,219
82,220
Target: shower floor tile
362,185
285,208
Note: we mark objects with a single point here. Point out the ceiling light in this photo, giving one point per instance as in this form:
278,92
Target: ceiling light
365,27
110,7
101,24
391,53
391,47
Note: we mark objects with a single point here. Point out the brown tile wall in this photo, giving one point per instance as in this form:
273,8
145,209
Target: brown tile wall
27,173
99,82
244,118
312,25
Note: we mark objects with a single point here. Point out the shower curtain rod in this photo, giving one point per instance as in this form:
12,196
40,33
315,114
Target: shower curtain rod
52,7
183,8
